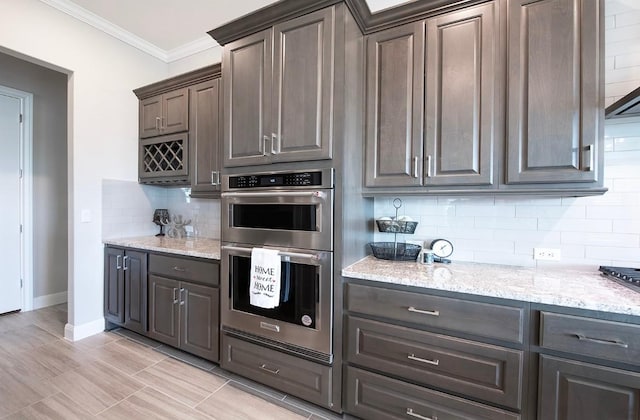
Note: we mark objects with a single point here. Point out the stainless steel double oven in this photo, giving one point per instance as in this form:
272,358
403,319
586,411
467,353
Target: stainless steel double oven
293,213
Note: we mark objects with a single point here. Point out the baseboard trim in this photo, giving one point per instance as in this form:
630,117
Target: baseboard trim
78,332
49,300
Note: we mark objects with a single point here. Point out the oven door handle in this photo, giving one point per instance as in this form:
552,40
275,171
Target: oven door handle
314,257
318,194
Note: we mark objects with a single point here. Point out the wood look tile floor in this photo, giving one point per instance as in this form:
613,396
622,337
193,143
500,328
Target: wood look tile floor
113,375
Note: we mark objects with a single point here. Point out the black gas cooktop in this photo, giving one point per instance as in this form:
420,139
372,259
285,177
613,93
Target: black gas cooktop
626,276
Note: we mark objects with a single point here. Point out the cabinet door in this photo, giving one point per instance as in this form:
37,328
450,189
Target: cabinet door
554,109
135,291
175,111
205,138
572,390
395,86
113,285
150,114
246,72
461,113
302,87
199,320
164,310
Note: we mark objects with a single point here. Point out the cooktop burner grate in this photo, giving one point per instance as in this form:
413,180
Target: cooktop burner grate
629,277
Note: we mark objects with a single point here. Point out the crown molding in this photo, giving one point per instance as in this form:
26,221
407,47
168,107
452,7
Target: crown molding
127,37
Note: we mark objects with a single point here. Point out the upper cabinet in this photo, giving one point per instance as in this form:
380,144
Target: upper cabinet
164,114
432,105
554,106
505,96
278,92
180,131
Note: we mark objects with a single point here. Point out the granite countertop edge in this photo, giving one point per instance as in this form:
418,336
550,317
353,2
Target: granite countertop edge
576,287
207,248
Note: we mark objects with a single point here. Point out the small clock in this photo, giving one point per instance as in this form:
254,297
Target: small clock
441,249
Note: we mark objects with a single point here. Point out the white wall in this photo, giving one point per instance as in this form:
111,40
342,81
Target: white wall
588,230
103,129
196,61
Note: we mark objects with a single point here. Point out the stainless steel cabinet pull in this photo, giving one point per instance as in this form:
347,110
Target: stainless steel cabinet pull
428,166
434,362
619,343
415,166
265,140
275,140
274,372
418,416
592,158
212,180
118,262
420,311
163,124
124,263
215,177
182,297
175,295
158,127
180,269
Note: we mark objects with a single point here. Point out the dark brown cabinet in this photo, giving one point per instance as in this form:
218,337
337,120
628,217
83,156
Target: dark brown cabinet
411,353
183,314
125,288
450,140
555,82
278,92
164,114
205,135
180,131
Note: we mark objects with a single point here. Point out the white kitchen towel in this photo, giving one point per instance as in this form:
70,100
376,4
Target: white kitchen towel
264,288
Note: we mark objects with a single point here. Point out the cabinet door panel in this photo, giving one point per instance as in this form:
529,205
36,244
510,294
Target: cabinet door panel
205,136
150,111
113,285
554,95
581,391
395,86
461,113
247,77
175,116
303,85
163,310
199,320
135,291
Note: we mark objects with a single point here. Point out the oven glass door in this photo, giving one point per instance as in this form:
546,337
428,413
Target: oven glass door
296,219
303,317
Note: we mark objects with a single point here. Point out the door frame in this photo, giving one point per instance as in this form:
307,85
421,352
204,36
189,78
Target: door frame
26,192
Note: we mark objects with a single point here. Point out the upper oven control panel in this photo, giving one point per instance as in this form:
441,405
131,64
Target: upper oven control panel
282,180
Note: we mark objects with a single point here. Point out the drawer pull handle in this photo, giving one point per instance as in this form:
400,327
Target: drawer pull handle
418,416
180,269
265,368
583,337
434,362
420,311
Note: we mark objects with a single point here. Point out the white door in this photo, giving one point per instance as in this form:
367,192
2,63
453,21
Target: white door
10,245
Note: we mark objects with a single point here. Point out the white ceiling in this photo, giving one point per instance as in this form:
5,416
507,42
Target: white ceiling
169,29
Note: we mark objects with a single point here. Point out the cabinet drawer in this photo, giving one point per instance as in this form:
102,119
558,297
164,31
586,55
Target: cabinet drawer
301,378
204,272
480,319
373,397
482,371
608,340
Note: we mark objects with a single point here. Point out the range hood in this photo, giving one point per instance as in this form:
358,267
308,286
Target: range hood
628,106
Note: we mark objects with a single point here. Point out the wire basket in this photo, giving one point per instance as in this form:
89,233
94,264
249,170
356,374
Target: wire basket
396,226
396,251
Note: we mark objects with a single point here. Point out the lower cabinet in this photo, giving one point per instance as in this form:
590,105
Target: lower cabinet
125,288
372,396
183,314
572,390
298,377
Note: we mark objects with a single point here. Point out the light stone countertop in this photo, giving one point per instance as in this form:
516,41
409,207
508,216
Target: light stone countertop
576,288
199,247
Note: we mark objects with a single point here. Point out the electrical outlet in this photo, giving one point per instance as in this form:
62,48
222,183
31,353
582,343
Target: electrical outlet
549,254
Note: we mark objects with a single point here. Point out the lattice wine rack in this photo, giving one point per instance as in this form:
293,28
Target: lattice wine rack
164,159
